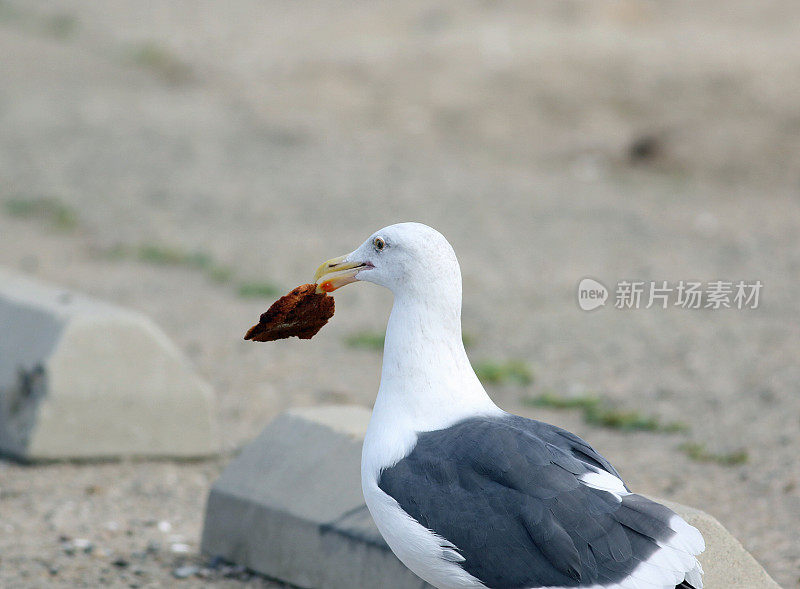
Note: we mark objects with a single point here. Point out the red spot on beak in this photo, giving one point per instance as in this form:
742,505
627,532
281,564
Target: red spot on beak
327,287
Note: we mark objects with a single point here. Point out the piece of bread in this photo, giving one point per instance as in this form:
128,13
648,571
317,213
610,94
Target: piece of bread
302,312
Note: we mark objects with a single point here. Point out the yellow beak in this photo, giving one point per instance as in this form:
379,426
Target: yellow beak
337,273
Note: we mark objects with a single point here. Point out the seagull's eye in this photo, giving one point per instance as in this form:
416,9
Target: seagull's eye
378,243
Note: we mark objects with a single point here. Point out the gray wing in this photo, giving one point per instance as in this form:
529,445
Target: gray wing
505,491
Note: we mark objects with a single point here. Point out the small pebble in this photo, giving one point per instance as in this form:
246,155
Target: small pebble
164,526
120,562
179,548
644,148
235,571
78,544
205,573
184,572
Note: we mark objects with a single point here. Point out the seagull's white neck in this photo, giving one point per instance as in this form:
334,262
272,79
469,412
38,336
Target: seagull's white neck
427,382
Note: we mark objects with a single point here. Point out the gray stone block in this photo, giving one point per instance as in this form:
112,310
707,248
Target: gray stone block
290,507
84,379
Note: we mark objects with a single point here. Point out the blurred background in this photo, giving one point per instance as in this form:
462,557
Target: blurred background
195,160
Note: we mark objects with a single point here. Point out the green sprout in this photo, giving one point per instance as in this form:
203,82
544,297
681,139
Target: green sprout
59,215
258,290
599,412
509,372
365,340
161,61
699,453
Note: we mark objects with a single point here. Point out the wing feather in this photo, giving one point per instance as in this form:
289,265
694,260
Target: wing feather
507,494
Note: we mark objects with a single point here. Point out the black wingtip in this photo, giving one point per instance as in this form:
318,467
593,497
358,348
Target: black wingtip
685,585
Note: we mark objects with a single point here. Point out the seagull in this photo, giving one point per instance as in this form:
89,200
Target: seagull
468,495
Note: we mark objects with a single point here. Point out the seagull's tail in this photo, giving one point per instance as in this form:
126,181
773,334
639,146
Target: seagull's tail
693,580
673,563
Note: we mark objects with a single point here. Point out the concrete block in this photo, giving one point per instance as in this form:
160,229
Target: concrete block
290,507
84,379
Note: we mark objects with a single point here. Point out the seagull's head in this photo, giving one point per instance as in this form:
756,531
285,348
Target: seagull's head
405,258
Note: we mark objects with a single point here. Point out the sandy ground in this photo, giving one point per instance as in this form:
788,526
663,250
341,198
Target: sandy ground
272,136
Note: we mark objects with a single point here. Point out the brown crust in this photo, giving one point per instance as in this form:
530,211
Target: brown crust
302,313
